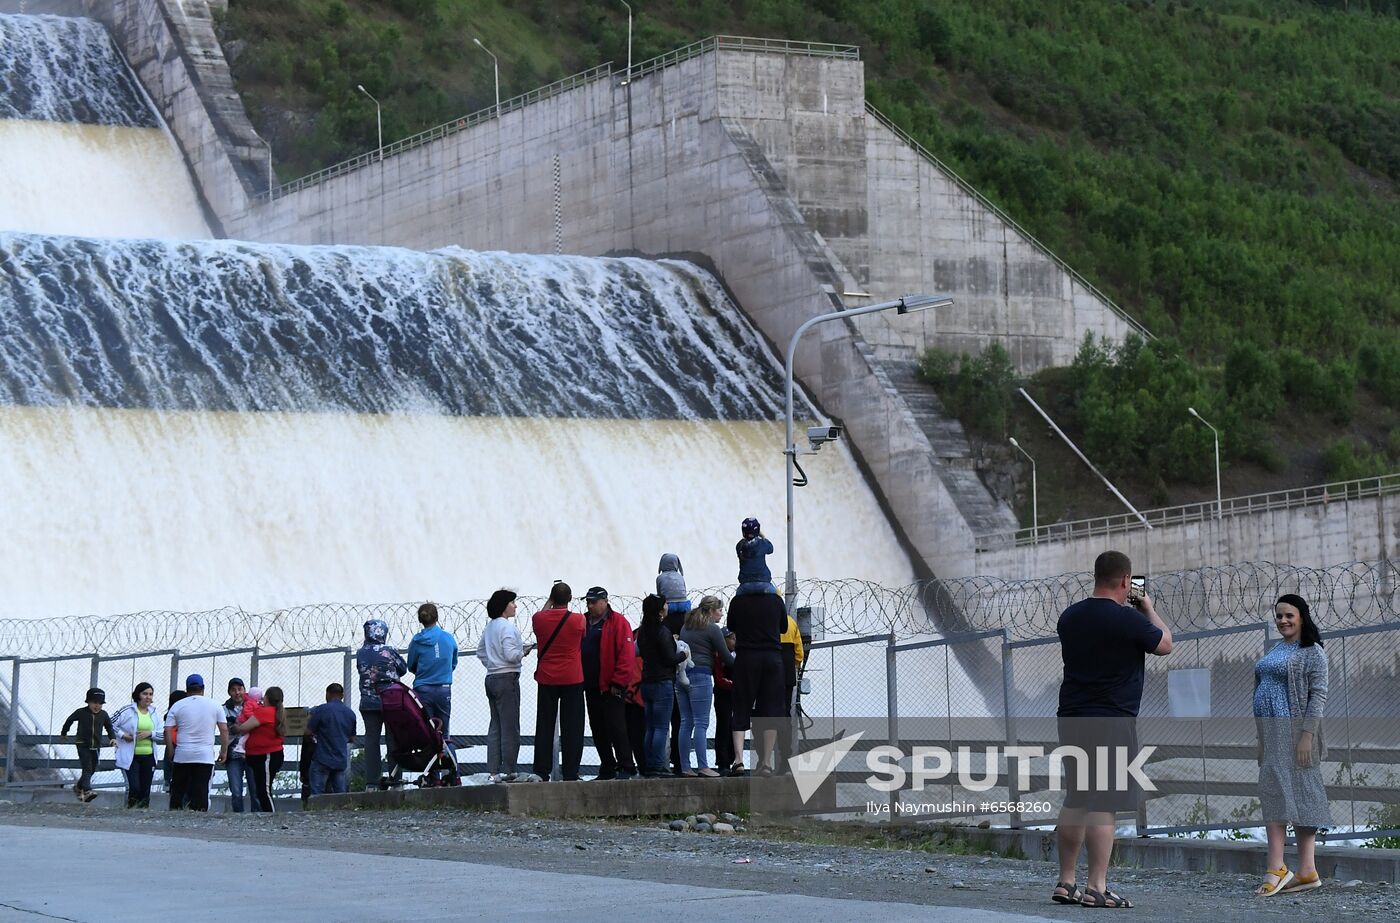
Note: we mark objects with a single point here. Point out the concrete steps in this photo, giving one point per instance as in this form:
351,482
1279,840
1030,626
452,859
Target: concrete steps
986,514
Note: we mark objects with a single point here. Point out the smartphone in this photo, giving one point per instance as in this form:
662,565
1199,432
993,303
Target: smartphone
1139,584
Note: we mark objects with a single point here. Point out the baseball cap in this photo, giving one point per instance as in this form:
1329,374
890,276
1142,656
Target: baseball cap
595,593
236,682
194,681
95,695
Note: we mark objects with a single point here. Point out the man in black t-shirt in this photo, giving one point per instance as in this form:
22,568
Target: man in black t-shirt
1104,641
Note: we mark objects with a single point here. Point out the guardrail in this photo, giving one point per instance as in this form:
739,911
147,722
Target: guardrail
1196,512
1027,236
582,78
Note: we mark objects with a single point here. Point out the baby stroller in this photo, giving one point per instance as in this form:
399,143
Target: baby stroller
417,744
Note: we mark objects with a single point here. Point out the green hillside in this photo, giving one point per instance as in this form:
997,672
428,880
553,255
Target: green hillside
1227,171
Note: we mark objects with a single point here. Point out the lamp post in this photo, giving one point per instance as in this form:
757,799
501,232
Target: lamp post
496,70
1035,498
905,305
629,41
378,117
1219,503
271,183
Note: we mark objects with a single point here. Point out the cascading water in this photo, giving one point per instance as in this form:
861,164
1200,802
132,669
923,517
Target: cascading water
81,151
194,424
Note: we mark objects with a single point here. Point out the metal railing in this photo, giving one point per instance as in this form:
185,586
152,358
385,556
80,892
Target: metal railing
745,43
1010,222
1000,669
1201,511
582,78
438,132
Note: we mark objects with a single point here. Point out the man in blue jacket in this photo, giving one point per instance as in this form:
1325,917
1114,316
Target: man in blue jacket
332,726
432,656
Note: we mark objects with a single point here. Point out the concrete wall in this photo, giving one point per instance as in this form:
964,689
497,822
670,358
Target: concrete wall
1311,536
177,57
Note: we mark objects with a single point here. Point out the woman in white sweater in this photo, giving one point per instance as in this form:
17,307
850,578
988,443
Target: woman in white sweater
501,651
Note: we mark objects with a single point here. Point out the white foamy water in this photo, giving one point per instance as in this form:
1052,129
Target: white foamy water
123,510
95,180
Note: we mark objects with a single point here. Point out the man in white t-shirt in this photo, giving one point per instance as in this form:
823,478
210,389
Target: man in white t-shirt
194,720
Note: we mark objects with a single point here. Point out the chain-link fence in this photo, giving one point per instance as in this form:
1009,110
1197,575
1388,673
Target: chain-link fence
959,662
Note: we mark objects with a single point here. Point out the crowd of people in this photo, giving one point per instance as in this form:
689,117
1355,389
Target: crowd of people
646,696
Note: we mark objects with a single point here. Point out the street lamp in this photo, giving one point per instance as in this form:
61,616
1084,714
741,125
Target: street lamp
496,69
905,305
1035,499
629,41
378,117
1219,503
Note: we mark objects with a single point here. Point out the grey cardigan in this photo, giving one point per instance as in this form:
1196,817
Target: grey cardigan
1307,696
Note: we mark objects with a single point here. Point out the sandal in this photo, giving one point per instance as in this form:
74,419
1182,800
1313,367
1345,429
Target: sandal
738,769
1302,883
1072,895
1274,882
1106,898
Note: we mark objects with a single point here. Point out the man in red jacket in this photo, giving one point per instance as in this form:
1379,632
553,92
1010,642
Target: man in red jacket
609,654
558,632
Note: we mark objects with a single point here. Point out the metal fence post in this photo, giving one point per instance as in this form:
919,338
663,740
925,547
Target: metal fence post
14,722
175,672
345,673
892,705
253,669
1013,791
92,673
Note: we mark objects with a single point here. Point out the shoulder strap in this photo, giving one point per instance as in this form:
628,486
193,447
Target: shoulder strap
554,634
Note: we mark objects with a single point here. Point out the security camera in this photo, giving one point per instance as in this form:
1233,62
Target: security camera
820,435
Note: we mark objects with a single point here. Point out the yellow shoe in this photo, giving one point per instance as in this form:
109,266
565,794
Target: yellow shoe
1274,882
1303,883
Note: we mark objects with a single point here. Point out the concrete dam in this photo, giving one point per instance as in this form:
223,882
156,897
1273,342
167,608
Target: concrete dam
758,159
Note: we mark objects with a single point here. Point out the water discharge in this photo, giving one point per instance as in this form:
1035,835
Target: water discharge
127,510
191,423
99,180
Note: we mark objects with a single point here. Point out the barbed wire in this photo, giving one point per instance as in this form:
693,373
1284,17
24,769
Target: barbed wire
1343,596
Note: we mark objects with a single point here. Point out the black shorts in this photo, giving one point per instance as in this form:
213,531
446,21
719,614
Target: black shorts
758,687
1087,791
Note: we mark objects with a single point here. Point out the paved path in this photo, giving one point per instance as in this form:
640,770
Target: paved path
80,875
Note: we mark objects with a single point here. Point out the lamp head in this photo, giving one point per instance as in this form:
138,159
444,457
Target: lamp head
911,303
1013,441
1192,412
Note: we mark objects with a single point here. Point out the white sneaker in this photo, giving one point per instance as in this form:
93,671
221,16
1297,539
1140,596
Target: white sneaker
495,777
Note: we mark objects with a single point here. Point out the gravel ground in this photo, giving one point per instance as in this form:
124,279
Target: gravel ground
646,850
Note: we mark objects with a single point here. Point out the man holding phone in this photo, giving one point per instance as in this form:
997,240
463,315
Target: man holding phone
1104,641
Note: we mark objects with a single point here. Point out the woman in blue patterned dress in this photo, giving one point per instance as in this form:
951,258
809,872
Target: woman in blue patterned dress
1290,693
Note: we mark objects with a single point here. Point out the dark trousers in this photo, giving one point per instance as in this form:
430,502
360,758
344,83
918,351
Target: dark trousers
87,762
724,737
138,780
374,726
675,748
636,716
607,719
566,704
189,786
265,767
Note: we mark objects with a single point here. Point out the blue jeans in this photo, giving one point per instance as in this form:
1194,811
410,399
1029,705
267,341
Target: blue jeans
695,717
327,781
755,588
238,773
437,703
658,696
